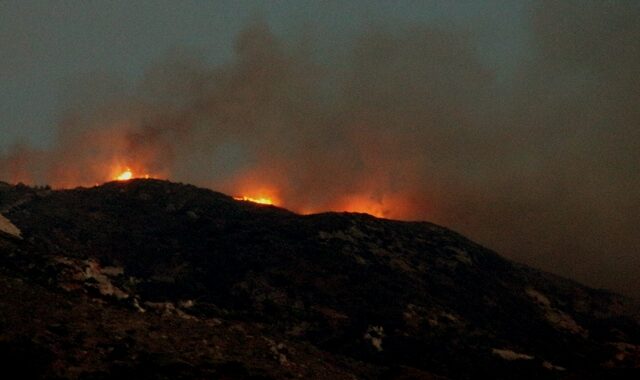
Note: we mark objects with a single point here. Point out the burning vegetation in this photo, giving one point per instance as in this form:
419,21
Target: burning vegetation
125,175
261,200
128,174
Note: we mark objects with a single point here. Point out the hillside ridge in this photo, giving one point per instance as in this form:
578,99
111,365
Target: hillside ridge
169,280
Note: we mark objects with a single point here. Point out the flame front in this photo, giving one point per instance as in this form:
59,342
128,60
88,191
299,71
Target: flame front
125,175
262,200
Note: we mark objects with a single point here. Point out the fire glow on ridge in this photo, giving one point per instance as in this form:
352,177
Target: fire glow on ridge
262,200
125,175
128,174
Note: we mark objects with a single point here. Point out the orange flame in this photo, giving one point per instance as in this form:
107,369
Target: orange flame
256,191
261,200
125,175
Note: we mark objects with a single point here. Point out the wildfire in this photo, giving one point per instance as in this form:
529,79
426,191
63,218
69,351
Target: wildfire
262,200
125,175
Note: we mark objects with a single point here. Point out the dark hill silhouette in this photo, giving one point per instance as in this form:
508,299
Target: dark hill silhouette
154,279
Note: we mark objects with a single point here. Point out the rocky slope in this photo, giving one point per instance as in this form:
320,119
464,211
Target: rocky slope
154,279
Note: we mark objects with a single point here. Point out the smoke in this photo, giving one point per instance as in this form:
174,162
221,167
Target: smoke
410,124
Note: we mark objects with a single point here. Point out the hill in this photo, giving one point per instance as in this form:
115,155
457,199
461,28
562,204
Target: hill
155,279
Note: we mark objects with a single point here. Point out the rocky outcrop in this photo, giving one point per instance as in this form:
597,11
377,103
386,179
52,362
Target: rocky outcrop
7,228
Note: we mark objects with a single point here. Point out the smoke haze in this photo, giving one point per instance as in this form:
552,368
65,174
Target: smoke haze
408,123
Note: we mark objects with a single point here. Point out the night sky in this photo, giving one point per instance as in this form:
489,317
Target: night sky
515,123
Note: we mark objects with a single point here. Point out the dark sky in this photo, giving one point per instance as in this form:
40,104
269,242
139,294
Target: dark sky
47,45
513,122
